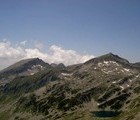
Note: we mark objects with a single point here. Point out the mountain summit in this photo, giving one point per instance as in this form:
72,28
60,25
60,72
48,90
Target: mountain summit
109,57
25,67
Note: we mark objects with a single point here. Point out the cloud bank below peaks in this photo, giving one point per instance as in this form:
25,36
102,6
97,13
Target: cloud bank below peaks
10,54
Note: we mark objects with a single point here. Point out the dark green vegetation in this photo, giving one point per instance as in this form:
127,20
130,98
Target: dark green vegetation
107,87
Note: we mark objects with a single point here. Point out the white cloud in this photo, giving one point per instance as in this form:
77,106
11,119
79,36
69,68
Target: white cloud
38,45
8,51
68,57
23,42
10,54
34,53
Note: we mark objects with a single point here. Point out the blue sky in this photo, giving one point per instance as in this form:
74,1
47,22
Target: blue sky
94,27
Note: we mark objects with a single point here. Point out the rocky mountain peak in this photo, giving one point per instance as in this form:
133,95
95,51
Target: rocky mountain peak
25,67
108,57
59,66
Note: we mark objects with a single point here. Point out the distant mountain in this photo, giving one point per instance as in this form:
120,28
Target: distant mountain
61,65
137,64
24,68
106,87
109,57
115,61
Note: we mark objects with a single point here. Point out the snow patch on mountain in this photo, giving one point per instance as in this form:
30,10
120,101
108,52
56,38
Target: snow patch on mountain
126,69
66,74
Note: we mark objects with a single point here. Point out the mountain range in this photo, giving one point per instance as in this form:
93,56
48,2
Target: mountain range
106,87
